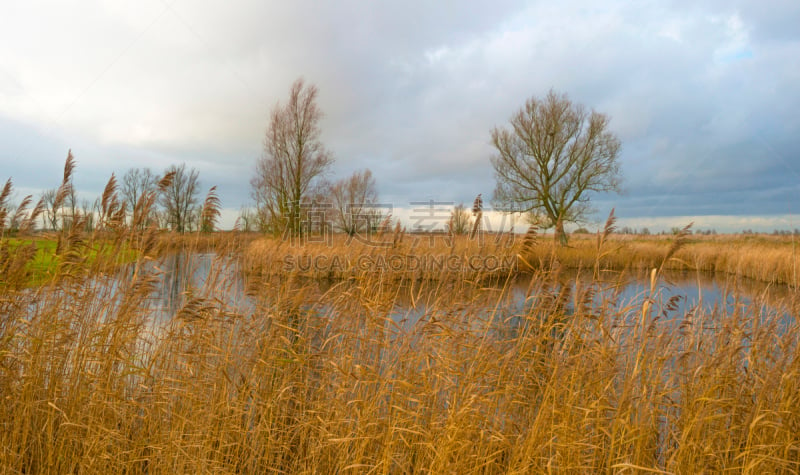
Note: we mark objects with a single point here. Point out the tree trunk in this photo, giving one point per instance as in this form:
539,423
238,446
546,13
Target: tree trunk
559,235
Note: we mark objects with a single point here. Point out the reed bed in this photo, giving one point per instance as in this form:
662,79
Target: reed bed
396,255
771,259
292,376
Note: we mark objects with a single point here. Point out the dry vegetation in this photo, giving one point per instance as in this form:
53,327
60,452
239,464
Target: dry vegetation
771,259
396,255
382,372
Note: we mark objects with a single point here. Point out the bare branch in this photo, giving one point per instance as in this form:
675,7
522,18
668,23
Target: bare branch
552,156
293,159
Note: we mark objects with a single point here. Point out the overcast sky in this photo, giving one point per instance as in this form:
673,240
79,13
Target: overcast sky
704,95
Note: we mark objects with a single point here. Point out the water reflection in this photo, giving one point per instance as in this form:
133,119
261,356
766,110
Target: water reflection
180,277
183,276
675,295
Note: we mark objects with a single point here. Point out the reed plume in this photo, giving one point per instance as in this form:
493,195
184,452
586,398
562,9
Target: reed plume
529,241
110,205
22,210
477,205
210,213
29,223
678,241
66,184
4,194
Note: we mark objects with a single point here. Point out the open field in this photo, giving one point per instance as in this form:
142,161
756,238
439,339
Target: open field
349,377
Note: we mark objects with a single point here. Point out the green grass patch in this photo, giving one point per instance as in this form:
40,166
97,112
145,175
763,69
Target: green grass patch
47,257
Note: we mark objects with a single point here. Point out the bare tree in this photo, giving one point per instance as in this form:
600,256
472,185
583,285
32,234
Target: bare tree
179,199
459,220
70,210
137,183
16,214
293,159
247,220
88,213
352,199
554,153
374,216
50,214
64,213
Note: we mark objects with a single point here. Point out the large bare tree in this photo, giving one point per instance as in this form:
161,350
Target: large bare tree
551,157
353,201
293,159
179,198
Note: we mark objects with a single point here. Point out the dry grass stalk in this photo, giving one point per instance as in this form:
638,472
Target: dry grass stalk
399,232
476,225
384,226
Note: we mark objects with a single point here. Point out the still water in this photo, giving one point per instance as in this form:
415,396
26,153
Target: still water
676,294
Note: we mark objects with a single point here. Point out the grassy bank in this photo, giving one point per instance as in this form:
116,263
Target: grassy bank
34,260
41,256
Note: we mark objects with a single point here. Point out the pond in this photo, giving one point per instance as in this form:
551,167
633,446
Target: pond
675,295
